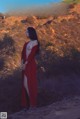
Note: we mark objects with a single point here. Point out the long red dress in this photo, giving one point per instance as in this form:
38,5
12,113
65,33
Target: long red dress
29,96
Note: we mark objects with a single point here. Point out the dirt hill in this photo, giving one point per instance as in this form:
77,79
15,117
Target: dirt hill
59,58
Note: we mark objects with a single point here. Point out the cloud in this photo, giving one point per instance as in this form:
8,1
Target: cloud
51,9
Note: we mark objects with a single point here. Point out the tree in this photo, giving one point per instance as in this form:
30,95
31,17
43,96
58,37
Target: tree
72,1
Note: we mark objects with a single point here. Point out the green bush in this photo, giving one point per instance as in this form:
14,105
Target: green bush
71,1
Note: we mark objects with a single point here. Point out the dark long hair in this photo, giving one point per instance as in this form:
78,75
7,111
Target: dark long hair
33,35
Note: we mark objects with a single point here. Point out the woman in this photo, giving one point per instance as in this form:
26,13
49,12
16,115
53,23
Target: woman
29,81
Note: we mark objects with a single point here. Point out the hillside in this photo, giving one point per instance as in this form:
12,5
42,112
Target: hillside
58,62
56,31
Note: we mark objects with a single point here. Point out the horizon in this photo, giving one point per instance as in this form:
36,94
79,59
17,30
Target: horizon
8,5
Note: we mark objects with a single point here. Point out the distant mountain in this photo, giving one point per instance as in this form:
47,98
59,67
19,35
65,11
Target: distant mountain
1,14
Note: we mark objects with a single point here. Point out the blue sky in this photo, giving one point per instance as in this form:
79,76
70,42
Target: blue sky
6,5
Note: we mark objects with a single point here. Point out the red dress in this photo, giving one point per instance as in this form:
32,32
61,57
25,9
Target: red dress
29,98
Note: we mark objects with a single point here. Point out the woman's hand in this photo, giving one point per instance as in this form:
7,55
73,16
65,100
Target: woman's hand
22,67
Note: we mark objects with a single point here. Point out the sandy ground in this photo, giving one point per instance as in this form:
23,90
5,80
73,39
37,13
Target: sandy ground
65,109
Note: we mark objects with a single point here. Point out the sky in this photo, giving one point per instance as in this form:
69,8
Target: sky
7,5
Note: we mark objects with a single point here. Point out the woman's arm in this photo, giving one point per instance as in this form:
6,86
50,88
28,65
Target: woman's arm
23,57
